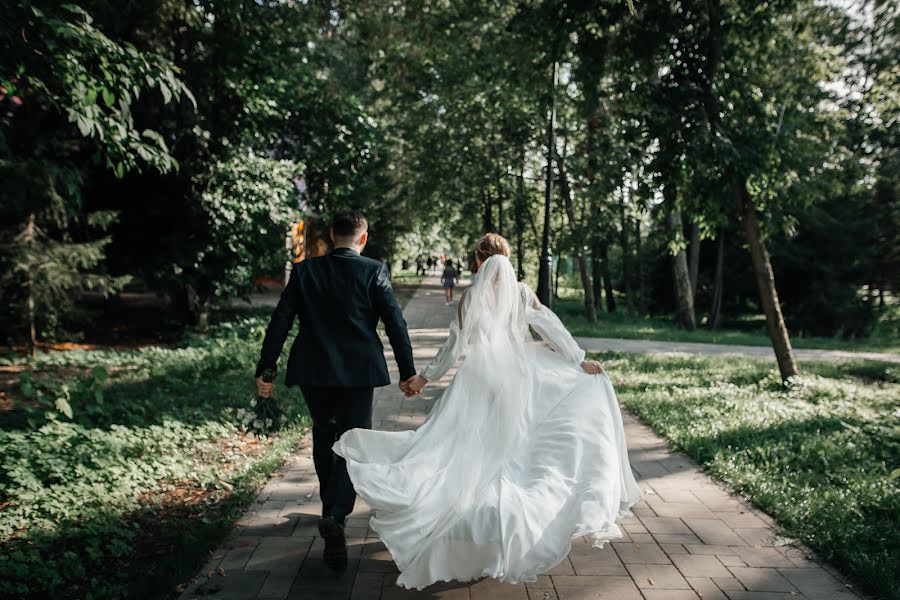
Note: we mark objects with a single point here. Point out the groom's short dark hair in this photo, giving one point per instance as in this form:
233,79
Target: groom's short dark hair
347,223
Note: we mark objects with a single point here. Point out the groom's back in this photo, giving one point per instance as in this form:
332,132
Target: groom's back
338,343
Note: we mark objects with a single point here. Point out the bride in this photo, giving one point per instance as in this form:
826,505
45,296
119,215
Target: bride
524,451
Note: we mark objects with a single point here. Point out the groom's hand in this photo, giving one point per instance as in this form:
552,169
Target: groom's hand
413,386
263,388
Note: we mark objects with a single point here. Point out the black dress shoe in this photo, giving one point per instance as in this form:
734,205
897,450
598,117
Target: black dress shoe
335,555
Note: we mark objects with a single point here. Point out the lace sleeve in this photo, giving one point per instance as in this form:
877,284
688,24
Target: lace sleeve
551,329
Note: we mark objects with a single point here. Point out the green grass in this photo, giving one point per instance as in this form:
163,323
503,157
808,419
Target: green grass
821,457
126,498
747,331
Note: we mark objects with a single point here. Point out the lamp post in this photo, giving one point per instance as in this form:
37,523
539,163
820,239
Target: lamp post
546,262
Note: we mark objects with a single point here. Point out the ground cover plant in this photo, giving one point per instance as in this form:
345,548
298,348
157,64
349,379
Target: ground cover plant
121,468
821,455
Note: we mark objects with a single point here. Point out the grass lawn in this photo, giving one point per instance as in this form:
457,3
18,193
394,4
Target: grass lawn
822,457
750,332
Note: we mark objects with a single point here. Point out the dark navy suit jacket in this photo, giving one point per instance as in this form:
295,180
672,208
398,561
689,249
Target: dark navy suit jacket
339,299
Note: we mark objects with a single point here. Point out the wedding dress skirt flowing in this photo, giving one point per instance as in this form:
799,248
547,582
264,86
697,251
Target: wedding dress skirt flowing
522,452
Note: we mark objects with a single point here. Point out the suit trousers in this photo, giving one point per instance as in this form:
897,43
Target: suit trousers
335,410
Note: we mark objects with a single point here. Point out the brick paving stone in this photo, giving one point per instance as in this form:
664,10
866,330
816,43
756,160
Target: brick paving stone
542,594
711,549
763,557
745,595
757,536
491,589
706,588
367,586
602,587
665,525
662,577
671,549
698,565
714,531
762,579
670,594
676,538
815,582
645,554
728,584
690,537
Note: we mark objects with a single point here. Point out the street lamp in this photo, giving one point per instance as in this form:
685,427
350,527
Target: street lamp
546,262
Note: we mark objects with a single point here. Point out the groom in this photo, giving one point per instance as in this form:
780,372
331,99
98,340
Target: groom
337,358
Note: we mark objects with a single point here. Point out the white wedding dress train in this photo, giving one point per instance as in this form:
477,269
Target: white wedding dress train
521,453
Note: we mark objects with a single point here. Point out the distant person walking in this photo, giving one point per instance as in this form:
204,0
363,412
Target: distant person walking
448,280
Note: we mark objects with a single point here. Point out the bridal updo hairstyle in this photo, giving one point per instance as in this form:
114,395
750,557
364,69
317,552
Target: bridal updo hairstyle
491,244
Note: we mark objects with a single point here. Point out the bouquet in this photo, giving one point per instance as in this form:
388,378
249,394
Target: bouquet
266,416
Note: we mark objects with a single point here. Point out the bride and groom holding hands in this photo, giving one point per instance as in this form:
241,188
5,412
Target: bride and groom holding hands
524,451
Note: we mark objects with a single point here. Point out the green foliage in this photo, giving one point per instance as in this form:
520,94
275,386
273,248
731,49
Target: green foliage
68,92
81,496
820,456
250,203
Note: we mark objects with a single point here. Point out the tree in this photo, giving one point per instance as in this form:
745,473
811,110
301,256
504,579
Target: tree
68,91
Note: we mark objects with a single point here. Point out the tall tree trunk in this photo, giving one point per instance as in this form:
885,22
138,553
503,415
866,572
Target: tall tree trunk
500,206
715,311
639,263
596,273
29,289
765,280
626,253
559,258
487,221
590,310
694,258
607,278
520,221
684,303
762,266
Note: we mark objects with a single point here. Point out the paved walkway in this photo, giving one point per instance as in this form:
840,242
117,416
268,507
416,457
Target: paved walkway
598,344
689,539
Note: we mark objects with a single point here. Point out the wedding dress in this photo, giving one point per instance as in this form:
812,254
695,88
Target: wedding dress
523,451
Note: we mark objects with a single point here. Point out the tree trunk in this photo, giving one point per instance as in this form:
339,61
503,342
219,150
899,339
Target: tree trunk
29,289
694,258
596,274
765,280
639,263
684,303
607,279
590,310
626,253
500,206
520,221
487,221
715,311
559,258
762,266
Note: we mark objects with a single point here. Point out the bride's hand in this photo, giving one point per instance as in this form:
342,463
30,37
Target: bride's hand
413,386
592,366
